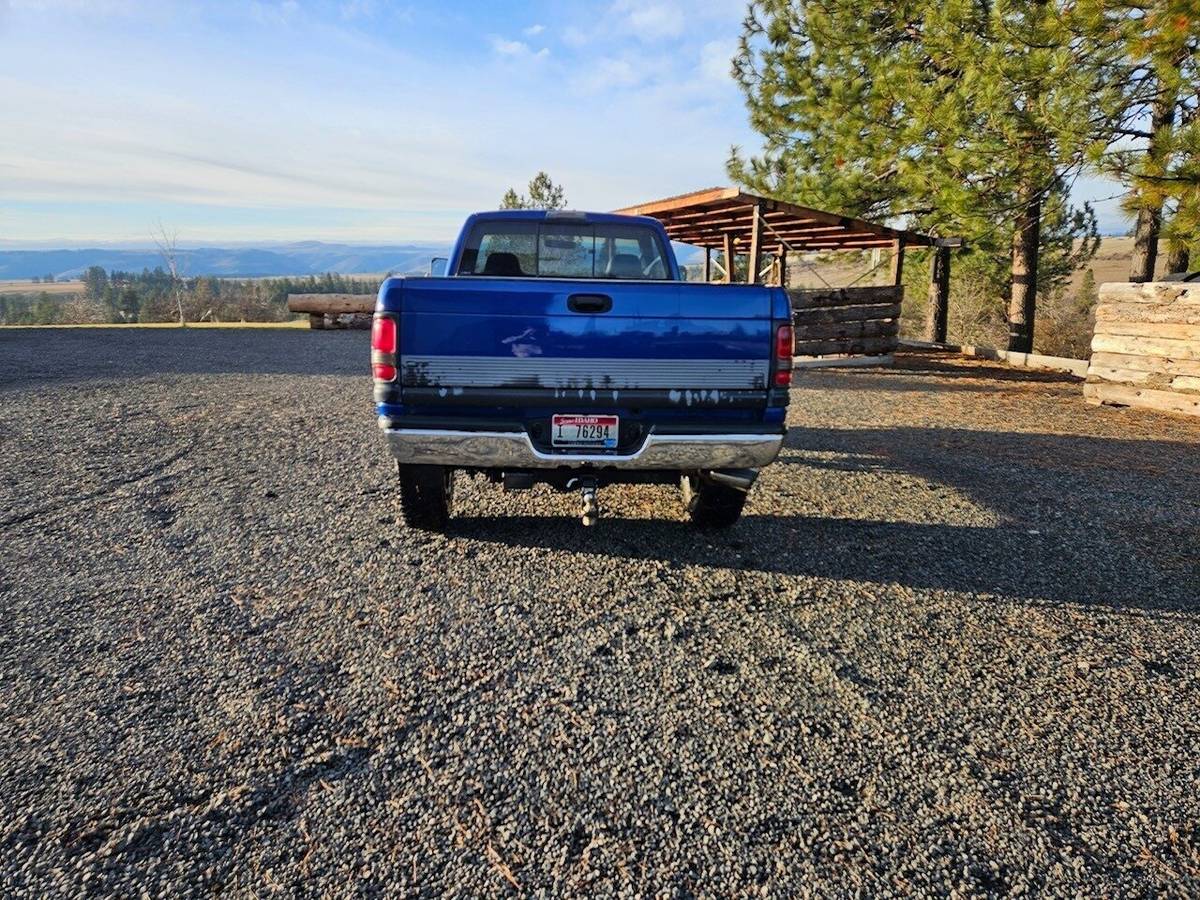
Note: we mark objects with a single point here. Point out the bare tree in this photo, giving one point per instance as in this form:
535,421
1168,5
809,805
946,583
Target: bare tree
168,247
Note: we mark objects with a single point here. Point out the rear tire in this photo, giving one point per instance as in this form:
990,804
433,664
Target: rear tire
426,496
711,505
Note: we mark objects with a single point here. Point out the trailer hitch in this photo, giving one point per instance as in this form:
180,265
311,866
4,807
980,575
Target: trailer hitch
589,505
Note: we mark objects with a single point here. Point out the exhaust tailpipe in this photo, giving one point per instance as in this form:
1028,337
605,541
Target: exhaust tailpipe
738,479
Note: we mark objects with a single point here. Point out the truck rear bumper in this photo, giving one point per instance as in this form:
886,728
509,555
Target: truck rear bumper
514,450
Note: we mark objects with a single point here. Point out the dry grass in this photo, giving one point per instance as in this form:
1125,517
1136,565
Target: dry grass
36,287
1111,262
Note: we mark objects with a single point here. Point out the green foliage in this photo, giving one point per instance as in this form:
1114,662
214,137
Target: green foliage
30,308
512,200
148,296
95,280
543,194
975,316
46,310
1088,295
1161,90
953,118
1182,234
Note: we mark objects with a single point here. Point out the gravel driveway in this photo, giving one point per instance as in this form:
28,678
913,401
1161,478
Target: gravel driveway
952,647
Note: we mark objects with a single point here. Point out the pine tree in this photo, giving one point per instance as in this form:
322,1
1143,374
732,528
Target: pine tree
45,310
1161,167
95,280
1088,296
1181,232
543,194
956,117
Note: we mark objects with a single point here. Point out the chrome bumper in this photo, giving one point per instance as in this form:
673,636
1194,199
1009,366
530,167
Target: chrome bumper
514,450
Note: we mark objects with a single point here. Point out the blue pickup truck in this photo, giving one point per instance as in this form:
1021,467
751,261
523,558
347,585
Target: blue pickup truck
564,348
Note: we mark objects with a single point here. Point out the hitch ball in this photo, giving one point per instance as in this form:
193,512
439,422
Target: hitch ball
591,506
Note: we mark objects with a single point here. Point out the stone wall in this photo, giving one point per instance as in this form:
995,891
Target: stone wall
1146,347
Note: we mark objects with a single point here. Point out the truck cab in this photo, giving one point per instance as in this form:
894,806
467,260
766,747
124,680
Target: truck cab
564,348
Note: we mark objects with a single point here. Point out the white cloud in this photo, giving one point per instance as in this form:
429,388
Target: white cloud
610,73
505,47
274,13
310,147
74,7
651,20
534,30
715,57
509,48
574,37
358,9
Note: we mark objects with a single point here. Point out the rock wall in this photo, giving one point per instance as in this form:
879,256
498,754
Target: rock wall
1146,347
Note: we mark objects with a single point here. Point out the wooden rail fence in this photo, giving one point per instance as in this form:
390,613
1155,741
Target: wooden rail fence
1146,347
828,322
846,321
334,310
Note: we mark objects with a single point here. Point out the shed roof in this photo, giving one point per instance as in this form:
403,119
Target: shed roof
703,218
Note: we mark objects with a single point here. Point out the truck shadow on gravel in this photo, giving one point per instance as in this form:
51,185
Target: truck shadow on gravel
1086,520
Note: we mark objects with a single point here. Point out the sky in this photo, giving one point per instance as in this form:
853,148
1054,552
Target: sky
356,120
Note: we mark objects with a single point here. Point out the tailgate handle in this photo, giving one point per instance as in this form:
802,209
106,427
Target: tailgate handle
589,303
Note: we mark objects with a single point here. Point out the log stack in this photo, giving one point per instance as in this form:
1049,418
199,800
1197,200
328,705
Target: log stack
1146,347
334,310
846,321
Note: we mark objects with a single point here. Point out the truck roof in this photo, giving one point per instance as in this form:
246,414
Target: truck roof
566,215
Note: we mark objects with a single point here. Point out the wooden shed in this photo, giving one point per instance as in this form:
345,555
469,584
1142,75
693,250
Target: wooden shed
829,321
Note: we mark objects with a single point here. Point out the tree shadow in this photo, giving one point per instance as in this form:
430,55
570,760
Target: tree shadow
953,365
951,372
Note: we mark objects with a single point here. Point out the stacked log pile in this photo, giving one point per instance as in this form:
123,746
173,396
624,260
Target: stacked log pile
334,310
1146,347
846,321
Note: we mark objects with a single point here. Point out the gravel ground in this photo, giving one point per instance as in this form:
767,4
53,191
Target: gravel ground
952,647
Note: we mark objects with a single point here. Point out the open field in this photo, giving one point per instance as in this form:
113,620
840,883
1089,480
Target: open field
952,647
36,287
1111,262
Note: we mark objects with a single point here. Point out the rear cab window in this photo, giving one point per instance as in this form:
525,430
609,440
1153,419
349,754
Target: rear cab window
510,248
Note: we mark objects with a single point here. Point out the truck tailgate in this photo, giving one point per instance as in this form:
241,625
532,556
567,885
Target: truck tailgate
465,334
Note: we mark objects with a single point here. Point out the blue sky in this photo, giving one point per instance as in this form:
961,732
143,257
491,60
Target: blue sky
355,120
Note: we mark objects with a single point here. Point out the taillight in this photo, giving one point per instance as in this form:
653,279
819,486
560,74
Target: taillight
383,348
784,341
383,334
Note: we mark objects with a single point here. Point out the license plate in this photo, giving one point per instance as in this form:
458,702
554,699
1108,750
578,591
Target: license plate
584,431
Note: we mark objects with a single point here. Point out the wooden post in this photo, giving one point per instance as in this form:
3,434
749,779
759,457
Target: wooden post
1026,249
939,295
783,265
707,264
728,258
755,245
898,261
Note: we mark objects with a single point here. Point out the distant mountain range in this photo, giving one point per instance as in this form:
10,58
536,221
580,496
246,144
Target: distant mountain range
304,258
